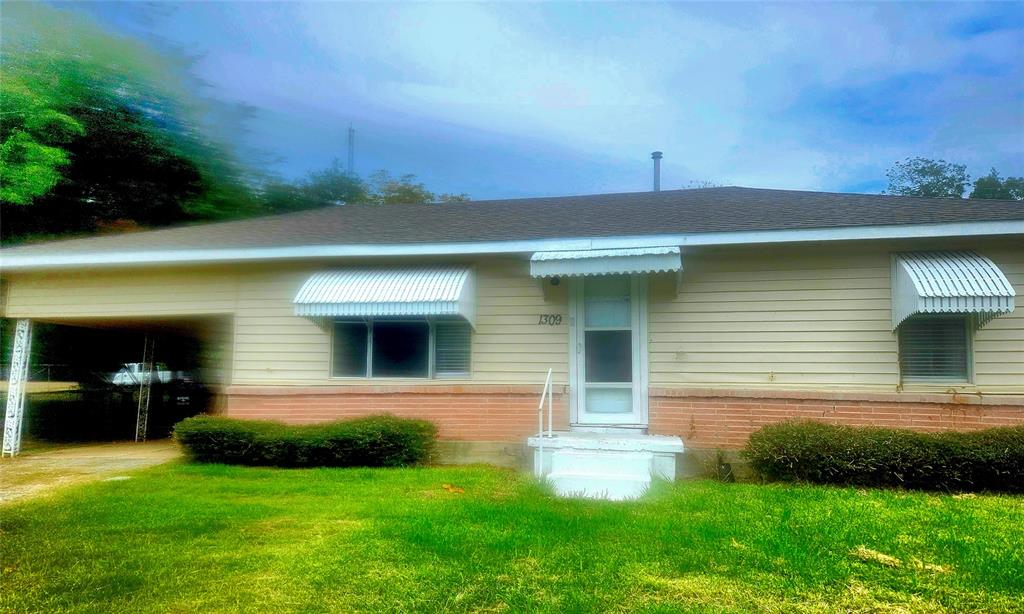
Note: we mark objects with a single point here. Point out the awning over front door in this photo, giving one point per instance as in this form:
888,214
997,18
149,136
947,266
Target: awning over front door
948,282
579,263
388,292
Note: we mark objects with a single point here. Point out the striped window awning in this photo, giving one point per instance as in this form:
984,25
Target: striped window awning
958,282
577,263
389,292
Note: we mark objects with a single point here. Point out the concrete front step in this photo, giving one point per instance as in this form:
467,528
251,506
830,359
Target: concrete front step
602,463
610,488
613,466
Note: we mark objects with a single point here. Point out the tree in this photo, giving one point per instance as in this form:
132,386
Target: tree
445,197
277,196
97,129
101,133
991,186
931,178
32,134
336,186
405,190
387,190
122,170
331,186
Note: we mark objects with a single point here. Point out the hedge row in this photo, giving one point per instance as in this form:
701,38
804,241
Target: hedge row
378,441
991,459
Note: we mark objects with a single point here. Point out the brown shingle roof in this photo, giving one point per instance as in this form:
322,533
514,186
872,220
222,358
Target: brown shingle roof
599,215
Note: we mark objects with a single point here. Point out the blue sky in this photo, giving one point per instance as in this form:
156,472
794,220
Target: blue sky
509,100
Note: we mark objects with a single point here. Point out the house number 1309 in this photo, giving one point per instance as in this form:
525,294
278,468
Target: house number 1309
551,319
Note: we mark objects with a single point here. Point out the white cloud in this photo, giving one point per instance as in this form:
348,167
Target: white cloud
746,93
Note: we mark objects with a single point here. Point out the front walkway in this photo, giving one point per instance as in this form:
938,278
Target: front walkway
37,473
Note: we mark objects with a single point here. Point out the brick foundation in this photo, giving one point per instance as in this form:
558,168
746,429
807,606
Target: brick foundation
725,419
461,413
705,418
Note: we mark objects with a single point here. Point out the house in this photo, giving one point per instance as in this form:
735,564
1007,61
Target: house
669,320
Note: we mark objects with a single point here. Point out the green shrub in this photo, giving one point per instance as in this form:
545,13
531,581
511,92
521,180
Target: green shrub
806,451
377,441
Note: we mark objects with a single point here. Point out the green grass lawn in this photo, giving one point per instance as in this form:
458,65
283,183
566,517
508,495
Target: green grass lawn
186,538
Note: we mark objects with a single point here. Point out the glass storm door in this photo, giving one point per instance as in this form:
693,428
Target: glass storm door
610,368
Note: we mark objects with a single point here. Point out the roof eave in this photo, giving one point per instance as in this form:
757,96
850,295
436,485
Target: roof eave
305,252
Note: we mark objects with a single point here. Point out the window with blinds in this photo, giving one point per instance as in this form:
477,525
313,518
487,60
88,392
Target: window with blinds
935,348
451,349
400,348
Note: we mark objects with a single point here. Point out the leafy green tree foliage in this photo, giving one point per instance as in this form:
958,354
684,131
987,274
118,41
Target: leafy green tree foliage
931,178
277,196
445,197
405,190
992,186
32,133
388,190
101,133
331,186
335,186
97,129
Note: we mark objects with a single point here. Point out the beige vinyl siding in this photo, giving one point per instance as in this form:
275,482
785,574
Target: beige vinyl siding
509,344
807,317
813,317
201,301
102,293
775,318
999,346
272,346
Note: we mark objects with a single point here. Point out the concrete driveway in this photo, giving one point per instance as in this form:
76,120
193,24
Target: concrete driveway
39,473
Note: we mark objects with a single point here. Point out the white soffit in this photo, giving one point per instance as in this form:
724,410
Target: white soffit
387,292
948,282
575,263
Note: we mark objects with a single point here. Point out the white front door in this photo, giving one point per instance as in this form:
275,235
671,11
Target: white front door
609,350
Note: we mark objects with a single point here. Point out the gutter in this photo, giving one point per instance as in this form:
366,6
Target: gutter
305,252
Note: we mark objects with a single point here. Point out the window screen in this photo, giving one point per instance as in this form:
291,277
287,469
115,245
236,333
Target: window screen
349,352
451,348
934,348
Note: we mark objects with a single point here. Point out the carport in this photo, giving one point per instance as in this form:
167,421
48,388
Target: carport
135,376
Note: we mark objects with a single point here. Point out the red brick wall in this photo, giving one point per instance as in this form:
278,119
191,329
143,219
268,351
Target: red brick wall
705,419
477,413
726,421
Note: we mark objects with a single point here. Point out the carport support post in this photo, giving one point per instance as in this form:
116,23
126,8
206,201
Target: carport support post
145,383
16,387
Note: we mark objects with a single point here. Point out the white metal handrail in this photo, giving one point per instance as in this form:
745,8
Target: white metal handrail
545,395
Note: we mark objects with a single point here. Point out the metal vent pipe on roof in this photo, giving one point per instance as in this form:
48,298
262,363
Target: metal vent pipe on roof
656,156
